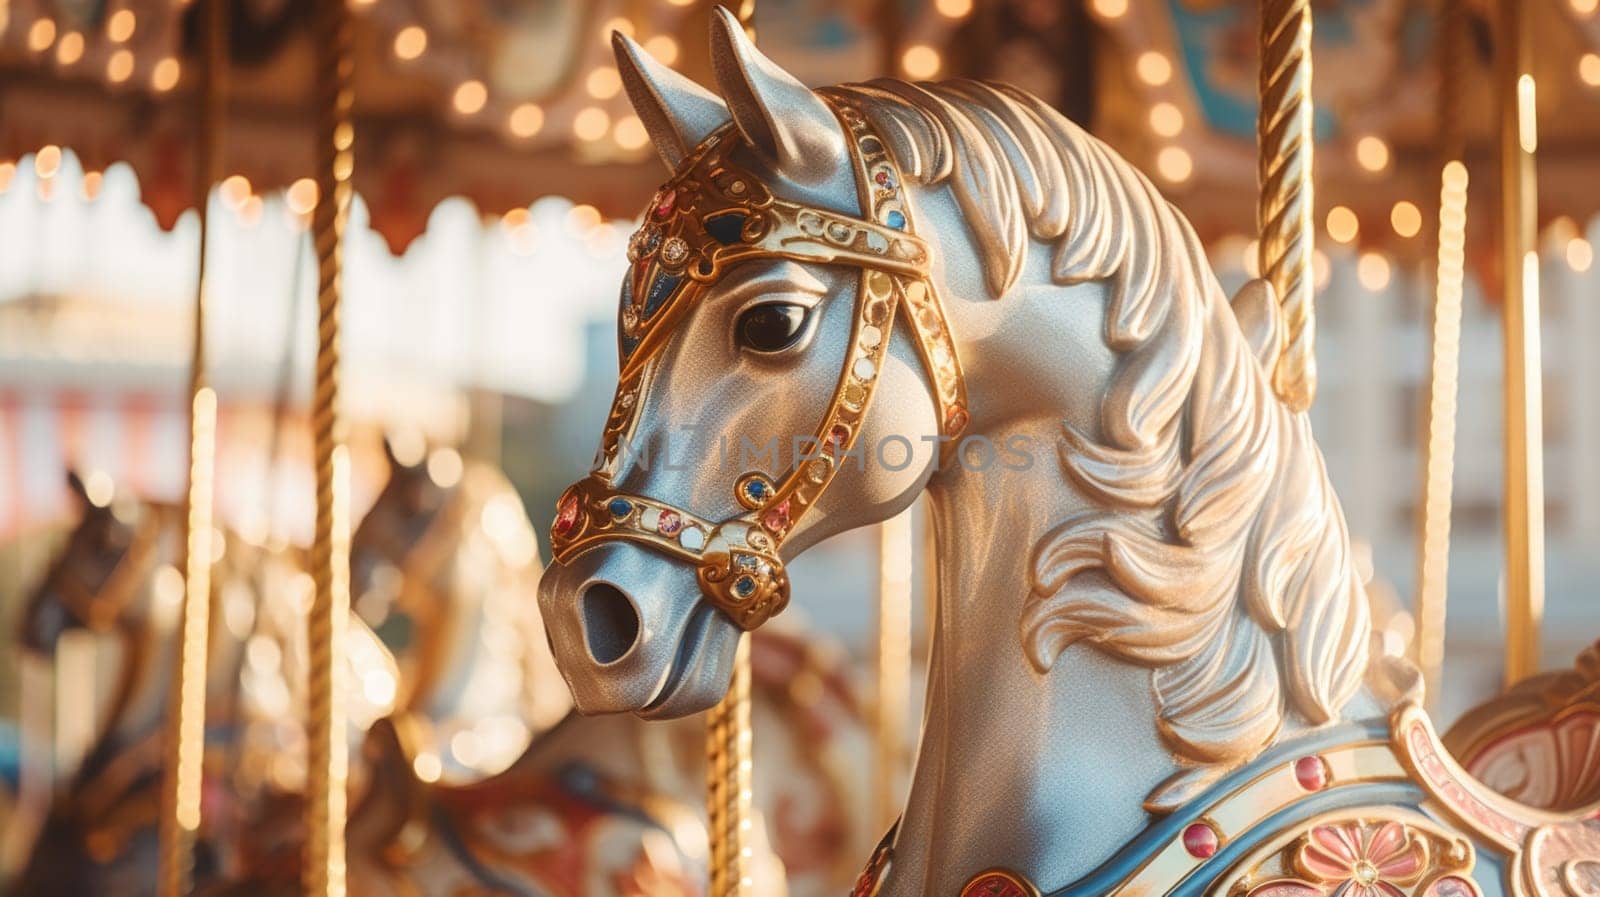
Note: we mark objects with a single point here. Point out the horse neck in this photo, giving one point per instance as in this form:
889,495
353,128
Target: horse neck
151,649
1038,773
474,668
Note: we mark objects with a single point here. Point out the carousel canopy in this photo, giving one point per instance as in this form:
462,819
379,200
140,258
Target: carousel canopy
502,103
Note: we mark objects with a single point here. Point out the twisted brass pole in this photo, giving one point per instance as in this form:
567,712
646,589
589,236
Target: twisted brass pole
1524,415
1284,138
728,794
185,725
327,756
1438,465
729,760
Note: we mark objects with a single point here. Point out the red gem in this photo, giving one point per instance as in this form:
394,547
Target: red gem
994,884
837,437
1311,773
777,519
566,514
669,523
1200,839
665,204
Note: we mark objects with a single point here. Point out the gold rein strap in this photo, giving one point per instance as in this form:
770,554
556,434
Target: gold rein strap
708,217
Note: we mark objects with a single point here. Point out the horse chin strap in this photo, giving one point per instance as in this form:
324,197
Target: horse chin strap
709,216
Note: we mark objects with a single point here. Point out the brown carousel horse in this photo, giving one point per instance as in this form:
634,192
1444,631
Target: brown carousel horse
117,577
591,806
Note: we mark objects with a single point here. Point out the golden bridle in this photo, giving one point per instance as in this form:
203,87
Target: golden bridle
710,216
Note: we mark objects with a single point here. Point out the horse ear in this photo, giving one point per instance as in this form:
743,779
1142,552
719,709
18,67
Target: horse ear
677,113
781,118
79,490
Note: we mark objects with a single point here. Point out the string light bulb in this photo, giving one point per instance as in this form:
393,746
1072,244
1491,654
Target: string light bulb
1166,120
470,96
1175,164
525,120
410,42
1589,69
1372,153
164,76
120,26
662,47
1153,68
1373,271
1580,254
41,34
1343,225
591,123
603,83
1406,219
921,61
119,67
70,48
47,162
1109,9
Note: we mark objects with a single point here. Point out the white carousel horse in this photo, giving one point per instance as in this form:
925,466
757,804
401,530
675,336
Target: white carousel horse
1150,669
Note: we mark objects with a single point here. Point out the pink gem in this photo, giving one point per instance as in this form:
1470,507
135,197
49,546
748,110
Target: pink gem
669,523
1452,886
1200,839
956,420
777,519
665,204
566,514
1311,773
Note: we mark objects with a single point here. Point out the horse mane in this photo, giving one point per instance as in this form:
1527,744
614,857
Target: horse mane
1220,557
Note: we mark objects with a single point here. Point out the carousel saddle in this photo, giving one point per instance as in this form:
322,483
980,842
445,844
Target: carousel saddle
1361,810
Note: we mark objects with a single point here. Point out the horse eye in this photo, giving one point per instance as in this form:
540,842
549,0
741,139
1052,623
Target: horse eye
772,327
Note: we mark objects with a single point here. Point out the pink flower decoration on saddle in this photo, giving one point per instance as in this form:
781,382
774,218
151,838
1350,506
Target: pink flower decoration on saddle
1363,861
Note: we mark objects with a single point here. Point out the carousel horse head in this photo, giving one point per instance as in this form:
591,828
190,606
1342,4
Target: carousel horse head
841,297
405,523
97,571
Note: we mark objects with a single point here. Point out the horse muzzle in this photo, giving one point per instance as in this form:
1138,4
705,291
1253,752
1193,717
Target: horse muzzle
630,634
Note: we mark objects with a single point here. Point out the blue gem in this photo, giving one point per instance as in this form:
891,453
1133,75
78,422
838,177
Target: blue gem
619,507
661,288
896,220
757,490
727,228
744,586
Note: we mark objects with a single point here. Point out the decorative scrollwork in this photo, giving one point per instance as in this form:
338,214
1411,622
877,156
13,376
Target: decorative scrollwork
1379,852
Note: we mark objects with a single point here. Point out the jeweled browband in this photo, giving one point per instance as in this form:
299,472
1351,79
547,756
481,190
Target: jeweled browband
713,214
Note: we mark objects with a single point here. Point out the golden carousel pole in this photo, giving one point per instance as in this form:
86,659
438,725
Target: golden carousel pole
328,757
896,551
896,546
1439,444
1283,146
728,741
185,731
1524,417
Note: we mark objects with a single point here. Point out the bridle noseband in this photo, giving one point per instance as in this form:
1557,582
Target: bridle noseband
708,217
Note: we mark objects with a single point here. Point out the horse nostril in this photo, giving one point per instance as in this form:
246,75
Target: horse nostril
610,622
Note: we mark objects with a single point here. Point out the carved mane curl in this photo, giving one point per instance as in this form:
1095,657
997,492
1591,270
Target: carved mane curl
1220,558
